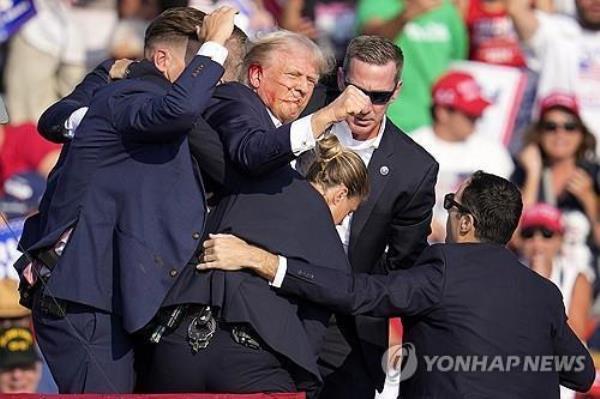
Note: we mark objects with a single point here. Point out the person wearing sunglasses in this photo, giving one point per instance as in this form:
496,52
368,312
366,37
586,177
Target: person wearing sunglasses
542,235
541,241
387,232
470,296
458,103
557,166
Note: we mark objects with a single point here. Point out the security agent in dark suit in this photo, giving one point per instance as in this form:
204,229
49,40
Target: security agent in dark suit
389,231
118,264
469,297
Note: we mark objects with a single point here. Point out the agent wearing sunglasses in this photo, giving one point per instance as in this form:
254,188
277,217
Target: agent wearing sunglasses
458,103
396,216
470,296
540,247
558,166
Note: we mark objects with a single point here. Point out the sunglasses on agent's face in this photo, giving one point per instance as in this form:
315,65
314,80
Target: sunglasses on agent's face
552,127
450,202
530,232
377,97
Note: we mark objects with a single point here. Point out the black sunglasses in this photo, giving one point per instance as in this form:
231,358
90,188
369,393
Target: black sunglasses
549,126
377,97
450,202
530,232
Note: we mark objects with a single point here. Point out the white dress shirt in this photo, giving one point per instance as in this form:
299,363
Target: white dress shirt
364,149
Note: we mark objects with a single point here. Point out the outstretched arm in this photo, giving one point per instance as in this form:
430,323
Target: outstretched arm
400,293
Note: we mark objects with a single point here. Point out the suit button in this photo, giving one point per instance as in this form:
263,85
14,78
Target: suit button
173,272
196,235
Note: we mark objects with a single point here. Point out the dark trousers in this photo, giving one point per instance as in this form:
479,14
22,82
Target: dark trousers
87,350
343,368
223,366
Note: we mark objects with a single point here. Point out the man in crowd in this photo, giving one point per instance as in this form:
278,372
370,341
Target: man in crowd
566,51
119,148
20,364
467,298
453,141
431,33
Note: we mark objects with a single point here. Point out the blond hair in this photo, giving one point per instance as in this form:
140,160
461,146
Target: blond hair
335,165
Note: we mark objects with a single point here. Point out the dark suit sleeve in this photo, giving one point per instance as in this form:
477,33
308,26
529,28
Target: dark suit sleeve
52,122
147,117
581,376
252,147
410,226
399,293
206,147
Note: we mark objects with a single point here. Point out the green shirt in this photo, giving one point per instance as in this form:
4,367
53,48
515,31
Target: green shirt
429,43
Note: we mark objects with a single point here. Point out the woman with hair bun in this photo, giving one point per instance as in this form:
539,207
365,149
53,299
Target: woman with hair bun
339,175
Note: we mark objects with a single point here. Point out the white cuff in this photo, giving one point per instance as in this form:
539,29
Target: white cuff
280,274
73,122
301,135
214,51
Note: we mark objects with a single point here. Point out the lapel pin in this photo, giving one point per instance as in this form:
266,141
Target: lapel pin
384,170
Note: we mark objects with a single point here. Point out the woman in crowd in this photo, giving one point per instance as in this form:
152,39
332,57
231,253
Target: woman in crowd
557,167
541,248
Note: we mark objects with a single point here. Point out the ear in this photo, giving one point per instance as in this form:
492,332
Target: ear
466,224
340,193
255,76
441,113
341,79
161,59
397,91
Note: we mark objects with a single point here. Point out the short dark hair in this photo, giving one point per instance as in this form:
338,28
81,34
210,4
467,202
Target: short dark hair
376,50
496,205
237,45
174,25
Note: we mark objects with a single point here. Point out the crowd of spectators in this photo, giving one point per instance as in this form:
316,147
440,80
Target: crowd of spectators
550,152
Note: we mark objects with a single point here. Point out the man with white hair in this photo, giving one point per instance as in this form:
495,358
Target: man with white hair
262,341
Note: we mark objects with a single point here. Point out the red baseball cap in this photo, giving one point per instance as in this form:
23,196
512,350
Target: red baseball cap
542,215
460,91
559,100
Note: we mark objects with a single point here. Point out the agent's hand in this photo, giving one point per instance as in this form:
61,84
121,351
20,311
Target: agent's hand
217,26
230,253
118,70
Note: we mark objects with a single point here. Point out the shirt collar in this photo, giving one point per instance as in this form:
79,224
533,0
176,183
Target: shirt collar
276,121
342,131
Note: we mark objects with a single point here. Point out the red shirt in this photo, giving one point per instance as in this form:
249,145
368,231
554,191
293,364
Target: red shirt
22,150
492,36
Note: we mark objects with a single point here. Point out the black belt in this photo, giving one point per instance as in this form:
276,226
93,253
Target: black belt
201,327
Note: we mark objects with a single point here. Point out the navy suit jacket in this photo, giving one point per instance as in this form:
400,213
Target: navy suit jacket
278,210
461,299
130,159
387,232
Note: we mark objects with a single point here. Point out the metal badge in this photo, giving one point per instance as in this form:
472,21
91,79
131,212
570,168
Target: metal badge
201,329
384,170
